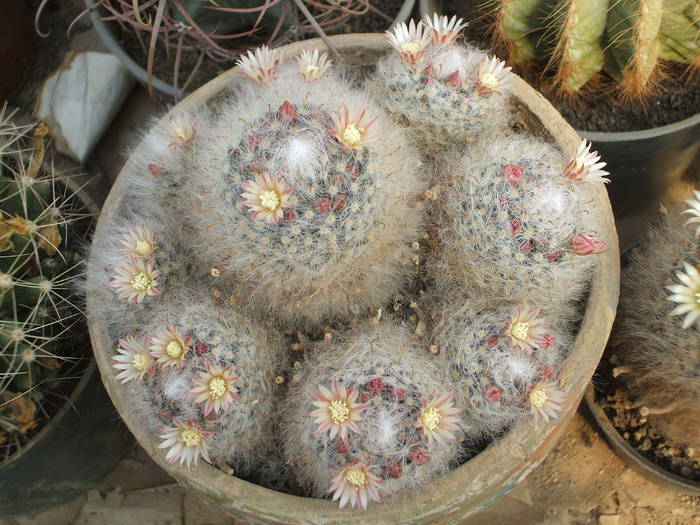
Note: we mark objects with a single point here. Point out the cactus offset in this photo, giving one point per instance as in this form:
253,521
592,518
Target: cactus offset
309,204
369,397
446,91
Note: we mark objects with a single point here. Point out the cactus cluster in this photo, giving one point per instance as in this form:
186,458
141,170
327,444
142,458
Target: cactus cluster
38,267
304,204
657,332
575,40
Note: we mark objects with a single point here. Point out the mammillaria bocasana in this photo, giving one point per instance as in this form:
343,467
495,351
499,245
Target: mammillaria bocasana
369,416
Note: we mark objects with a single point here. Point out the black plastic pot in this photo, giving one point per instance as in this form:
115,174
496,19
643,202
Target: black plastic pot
105,33
71,454
81,444
16,46
631,457
645,164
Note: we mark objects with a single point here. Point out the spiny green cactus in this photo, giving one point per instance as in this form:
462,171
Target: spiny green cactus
577,39
33,274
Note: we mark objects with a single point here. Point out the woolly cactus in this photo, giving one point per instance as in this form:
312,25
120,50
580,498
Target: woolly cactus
309,204
447,92
368,417
36,307
516,220
504,360
207,374
577,39
659,345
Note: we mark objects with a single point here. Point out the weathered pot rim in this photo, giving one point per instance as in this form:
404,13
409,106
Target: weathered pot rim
629,454
89,370
642,134
105,33
467,488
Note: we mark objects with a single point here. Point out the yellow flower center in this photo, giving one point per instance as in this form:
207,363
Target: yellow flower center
140,282
538,397
141,362
311,70
339,410
174,349
352,135
520,330
191,437
356,477
269,200
217,387
430,418
143,248
488,80
697,298
412,47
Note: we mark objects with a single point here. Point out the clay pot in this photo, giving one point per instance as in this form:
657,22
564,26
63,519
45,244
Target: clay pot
468,488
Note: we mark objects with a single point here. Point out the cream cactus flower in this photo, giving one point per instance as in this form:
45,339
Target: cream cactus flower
439,418
355,484
186,442
259,64
584,166
337,410
410,41
687,295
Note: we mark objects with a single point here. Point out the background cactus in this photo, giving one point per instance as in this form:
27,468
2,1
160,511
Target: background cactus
308,205
659,354
388,378
504,360
513,223
575,40
38,267
447,92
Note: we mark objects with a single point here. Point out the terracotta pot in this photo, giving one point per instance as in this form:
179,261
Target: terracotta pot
472,486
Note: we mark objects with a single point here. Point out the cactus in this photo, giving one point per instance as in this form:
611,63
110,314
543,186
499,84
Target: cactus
515,221
205,371
38,268
656,336
575,40
504,361
300,204
369,403
447,92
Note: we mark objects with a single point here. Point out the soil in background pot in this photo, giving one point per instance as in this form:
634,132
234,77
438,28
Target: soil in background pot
164,63
677,97
634,426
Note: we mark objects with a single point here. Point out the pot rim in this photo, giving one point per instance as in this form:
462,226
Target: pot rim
464,490
641,134
631,456
105,33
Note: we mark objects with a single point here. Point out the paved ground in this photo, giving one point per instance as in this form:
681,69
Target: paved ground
581,482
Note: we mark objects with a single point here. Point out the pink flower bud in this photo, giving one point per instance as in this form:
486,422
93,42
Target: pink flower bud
584,244
493,393
513,174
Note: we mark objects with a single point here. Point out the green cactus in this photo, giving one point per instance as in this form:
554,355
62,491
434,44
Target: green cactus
34,311
575,40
